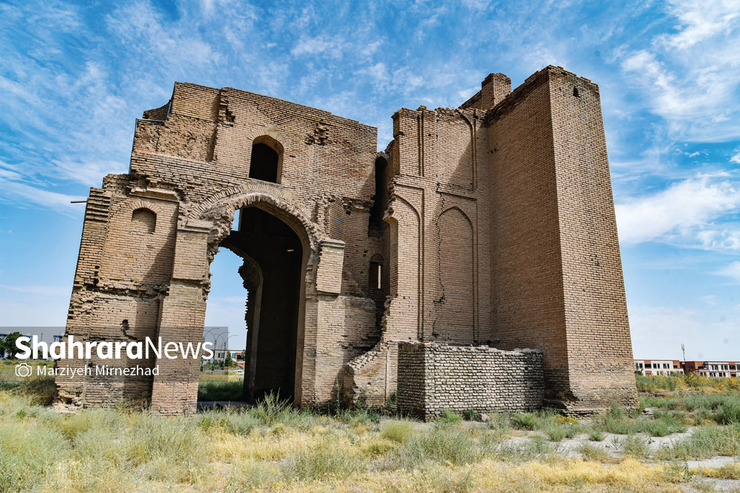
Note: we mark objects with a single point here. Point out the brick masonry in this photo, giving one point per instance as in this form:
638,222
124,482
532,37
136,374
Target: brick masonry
488,224
434,377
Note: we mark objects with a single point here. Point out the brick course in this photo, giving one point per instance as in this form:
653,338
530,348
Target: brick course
434,377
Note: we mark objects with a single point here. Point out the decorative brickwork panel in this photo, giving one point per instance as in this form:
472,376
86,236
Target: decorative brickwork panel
331,262
455,148
404,313
455,308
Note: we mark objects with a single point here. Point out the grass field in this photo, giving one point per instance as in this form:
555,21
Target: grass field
274,447
227,386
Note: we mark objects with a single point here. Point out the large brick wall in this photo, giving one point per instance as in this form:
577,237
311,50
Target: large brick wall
550,190
492,224
434,377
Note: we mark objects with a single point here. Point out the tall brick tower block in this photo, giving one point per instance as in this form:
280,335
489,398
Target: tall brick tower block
472,265
556,270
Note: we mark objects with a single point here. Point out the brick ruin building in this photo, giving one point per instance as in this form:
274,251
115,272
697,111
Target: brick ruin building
490,225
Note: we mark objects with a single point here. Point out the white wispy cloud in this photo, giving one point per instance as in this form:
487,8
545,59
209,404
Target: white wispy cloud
732,271
331,46
682,212
140,29
21,193
726,238
701,21
691,77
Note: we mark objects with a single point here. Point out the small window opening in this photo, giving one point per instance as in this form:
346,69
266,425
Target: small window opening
264,163
144,220
375,277
575,92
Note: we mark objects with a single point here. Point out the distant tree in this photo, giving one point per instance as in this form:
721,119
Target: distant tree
229,362
8,344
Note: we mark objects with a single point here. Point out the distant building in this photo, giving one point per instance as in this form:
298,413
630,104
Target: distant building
219,356
714,369
658,367
711,369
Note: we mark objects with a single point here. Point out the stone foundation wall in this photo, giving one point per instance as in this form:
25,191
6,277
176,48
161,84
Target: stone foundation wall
436,377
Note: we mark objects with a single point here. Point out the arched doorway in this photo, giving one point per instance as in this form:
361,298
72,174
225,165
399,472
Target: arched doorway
273,273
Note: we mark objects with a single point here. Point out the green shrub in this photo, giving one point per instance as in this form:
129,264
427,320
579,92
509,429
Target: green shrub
449,417
635,446
39,390
359,416
238,422
616,426
8,384
221,390
167,441
595,435
615,412
253,476
535,447
441,445
397,430
704,443
271,409
554,432
662,424
591,452
524,421
658,383
571,430
321,463
728,412
28,454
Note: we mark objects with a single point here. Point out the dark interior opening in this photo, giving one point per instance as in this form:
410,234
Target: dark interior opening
264,163
380,200
273,253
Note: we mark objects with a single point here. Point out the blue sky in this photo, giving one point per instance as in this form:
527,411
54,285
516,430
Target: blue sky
75,76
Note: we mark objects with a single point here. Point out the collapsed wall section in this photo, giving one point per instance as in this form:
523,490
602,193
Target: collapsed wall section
435,377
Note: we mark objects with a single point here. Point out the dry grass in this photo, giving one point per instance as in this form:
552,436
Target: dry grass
274,447
683,383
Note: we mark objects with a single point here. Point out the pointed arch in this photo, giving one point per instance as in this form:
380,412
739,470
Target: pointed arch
455,306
